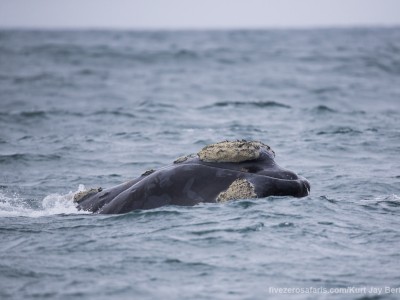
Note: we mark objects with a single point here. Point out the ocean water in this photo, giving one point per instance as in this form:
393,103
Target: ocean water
81,109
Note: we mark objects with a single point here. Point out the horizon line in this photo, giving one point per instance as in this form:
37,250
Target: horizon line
200,28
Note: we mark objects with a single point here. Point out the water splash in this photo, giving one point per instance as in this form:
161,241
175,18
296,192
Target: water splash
54,204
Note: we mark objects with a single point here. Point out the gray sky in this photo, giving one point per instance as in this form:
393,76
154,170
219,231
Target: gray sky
137,14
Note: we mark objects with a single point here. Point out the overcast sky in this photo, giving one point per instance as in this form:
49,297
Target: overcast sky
180,14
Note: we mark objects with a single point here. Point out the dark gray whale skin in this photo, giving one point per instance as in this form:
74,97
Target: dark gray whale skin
194,181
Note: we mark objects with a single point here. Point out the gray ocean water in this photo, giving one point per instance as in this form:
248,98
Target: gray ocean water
81,109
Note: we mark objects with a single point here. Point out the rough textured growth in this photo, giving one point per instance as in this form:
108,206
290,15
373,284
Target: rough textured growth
184,158
180,159
239,189
148,172
237,151
84,194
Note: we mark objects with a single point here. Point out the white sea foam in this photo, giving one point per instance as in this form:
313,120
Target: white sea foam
393,198
16,206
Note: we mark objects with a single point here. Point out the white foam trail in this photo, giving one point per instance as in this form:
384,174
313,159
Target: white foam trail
383,198
53,204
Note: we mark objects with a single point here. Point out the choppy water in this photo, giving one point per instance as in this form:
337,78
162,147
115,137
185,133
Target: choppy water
99,108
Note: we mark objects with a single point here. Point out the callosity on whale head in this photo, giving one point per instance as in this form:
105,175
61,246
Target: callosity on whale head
219,172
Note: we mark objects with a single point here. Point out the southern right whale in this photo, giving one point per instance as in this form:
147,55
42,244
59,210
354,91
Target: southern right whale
219,172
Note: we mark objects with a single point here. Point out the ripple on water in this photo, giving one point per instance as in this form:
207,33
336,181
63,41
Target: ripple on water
323,109
339,130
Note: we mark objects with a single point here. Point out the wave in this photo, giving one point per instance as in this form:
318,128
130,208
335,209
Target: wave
41,114
16,157
117,113
34,114
323,109
325,90
78,53
385,201
53,204
35,78
383,64
258,104
239,229
340,130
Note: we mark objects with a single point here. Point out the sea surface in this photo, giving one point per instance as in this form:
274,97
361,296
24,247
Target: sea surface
82,109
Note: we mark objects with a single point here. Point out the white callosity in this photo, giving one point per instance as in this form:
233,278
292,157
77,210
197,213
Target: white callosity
82,194
239,189
237,151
